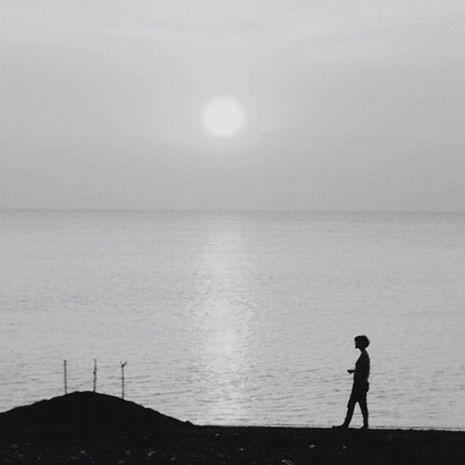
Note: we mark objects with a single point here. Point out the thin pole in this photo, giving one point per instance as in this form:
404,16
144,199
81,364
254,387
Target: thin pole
123,364
65,374
95,375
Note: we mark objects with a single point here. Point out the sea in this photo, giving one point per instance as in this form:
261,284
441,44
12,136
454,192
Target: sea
237,318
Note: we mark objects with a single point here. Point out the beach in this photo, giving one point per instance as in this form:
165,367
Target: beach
90,428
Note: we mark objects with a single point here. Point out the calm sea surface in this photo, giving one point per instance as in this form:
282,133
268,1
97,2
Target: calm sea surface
241,318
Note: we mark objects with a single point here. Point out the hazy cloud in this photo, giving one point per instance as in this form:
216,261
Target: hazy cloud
351,105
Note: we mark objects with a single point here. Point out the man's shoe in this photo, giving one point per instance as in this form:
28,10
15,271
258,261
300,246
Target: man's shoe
343,426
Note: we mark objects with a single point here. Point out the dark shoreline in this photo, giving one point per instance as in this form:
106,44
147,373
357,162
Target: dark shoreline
88,428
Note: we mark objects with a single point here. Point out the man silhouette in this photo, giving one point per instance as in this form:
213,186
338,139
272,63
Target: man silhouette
360,385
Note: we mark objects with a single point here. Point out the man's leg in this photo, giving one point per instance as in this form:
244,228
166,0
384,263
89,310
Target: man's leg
350,409
364,409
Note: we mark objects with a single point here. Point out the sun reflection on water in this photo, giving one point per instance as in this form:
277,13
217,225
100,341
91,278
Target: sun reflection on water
224,332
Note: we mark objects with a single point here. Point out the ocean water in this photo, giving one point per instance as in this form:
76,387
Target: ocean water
237,318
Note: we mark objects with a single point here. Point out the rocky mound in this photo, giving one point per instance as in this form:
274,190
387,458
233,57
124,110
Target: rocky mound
86,410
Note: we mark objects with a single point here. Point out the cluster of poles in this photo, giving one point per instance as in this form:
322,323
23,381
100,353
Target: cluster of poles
65,376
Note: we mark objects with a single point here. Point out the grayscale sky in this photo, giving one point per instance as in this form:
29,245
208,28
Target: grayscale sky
350,105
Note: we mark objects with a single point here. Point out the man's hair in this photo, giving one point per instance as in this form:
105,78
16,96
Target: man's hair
363,340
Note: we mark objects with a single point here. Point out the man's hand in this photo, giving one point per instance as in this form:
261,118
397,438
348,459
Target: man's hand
350,371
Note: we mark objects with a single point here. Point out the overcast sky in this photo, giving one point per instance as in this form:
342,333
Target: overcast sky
351,105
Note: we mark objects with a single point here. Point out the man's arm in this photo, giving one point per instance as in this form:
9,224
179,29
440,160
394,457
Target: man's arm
362,368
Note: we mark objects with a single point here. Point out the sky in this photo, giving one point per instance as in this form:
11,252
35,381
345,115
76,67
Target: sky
349,105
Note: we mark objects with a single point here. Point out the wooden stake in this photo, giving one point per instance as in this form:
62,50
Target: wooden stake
123,364
65,373
95,375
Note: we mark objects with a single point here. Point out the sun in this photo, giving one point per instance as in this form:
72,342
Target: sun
223,116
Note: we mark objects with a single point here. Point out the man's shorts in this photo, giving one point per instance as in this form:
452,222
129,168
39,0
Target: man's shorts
359,392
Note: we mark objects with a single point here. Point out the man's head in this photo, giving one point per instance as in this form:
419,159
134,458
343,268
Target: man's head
361,342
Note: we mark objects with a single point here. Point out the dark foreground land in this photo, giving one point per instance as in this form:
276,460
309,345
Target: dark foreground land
88,428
